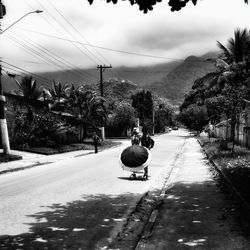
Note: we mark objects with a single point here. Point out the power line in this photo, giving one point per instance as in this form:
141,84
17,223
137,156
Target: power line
46,55
49,54
31,50
26,71
26,61
51,24
12,69
65,19
103,48
22,74
64,28
80,36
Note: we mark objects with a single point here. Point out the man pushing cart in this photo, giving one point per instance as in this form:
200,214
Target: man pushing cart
136,158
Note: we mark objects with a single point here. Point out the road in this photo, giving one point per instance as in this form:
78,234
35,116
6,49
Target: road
77,203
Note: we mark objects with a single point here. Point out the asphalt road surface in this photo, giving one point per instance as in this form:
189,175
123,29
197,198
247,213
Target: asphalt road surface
77,203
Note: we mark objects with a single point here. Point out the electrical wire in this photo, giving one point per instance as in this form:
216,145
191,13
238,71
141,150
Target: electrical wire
67,31
55,59
61,26
103,48
26,71
26,61
69,23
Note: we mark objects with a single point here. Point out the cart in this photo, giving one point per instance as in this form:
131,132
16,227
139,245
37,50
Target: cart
136,159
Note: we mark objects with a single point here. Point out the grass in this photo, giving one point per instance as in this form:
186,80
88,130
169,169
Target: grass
88,145
235,166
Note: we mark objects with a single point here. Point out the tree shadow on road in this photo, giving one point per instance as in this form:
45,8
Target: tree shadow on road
199,215
77,225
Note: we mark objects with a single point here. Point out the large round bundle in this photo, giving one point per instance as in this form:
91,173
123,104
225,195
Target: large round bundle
135,158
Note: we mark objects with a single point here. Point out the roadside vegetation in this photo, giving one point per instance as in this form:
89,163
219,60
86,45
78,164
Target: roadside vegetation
222,97
235,166
63,118
223,94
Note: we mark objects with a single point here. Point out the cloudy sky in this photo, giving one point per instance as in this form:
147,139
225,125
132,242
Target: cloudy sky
72,34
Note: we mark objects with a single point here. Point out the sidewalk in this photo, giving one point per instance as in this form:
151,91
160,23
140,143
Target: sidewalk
31,160
196,214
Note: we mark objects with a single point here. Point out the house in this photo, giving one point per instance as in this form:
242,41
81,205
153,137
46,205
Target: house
242,129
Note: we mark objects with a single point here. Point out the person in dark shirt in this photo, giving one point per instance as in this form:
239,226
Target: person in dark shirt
135,138
96,140
147,142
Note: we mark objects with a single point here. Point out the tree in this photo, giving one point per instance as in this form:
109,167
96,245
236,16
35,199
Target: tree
143,103
145,6
60,94
235,91
237,49
194,117
163,117
88,107
122,118
31,92
225,91
234,72
29,89
216,105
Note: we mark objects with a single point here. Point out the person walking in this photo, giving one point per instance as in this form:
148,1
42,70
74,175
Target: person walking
135,138
147,142
96,140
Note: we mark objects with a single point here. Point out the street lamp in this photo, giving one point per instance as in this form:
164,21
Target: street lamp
3,123
31,12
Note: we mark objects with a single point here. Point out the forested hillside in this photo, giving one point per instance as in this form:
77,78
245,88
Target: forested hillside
179,81
170,80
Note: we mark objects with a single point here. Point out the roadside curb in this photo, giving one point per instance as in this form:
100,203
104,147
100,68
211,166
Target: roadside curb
244,206
36,164
12,170
23,168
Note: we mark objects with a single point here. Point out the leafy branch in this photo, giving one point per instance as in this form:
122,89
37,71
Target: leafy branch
147,5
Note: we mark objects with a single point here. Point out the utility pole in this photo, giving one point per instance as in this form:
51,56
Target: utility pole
102,68
153,120
3,122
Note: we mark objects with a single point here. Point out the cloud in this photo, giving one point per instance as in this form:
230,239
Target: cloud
194,30
158,37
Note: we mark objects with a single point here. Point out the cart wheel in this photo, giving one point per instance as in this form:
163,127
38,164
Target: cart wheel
145,177
132,176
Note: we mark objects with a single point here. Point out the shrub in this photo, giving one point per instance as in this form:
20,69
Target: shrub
44,129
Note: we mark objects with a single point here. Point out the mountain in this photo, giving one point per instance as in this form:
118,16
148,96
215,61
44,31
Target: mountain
141,75
179,81
211,55
170,80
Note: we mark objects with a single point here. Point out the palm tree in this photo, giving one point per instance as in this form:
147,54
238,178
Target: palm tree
89,108
29,88
60,94
237,49
236,56
31,92
60,91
